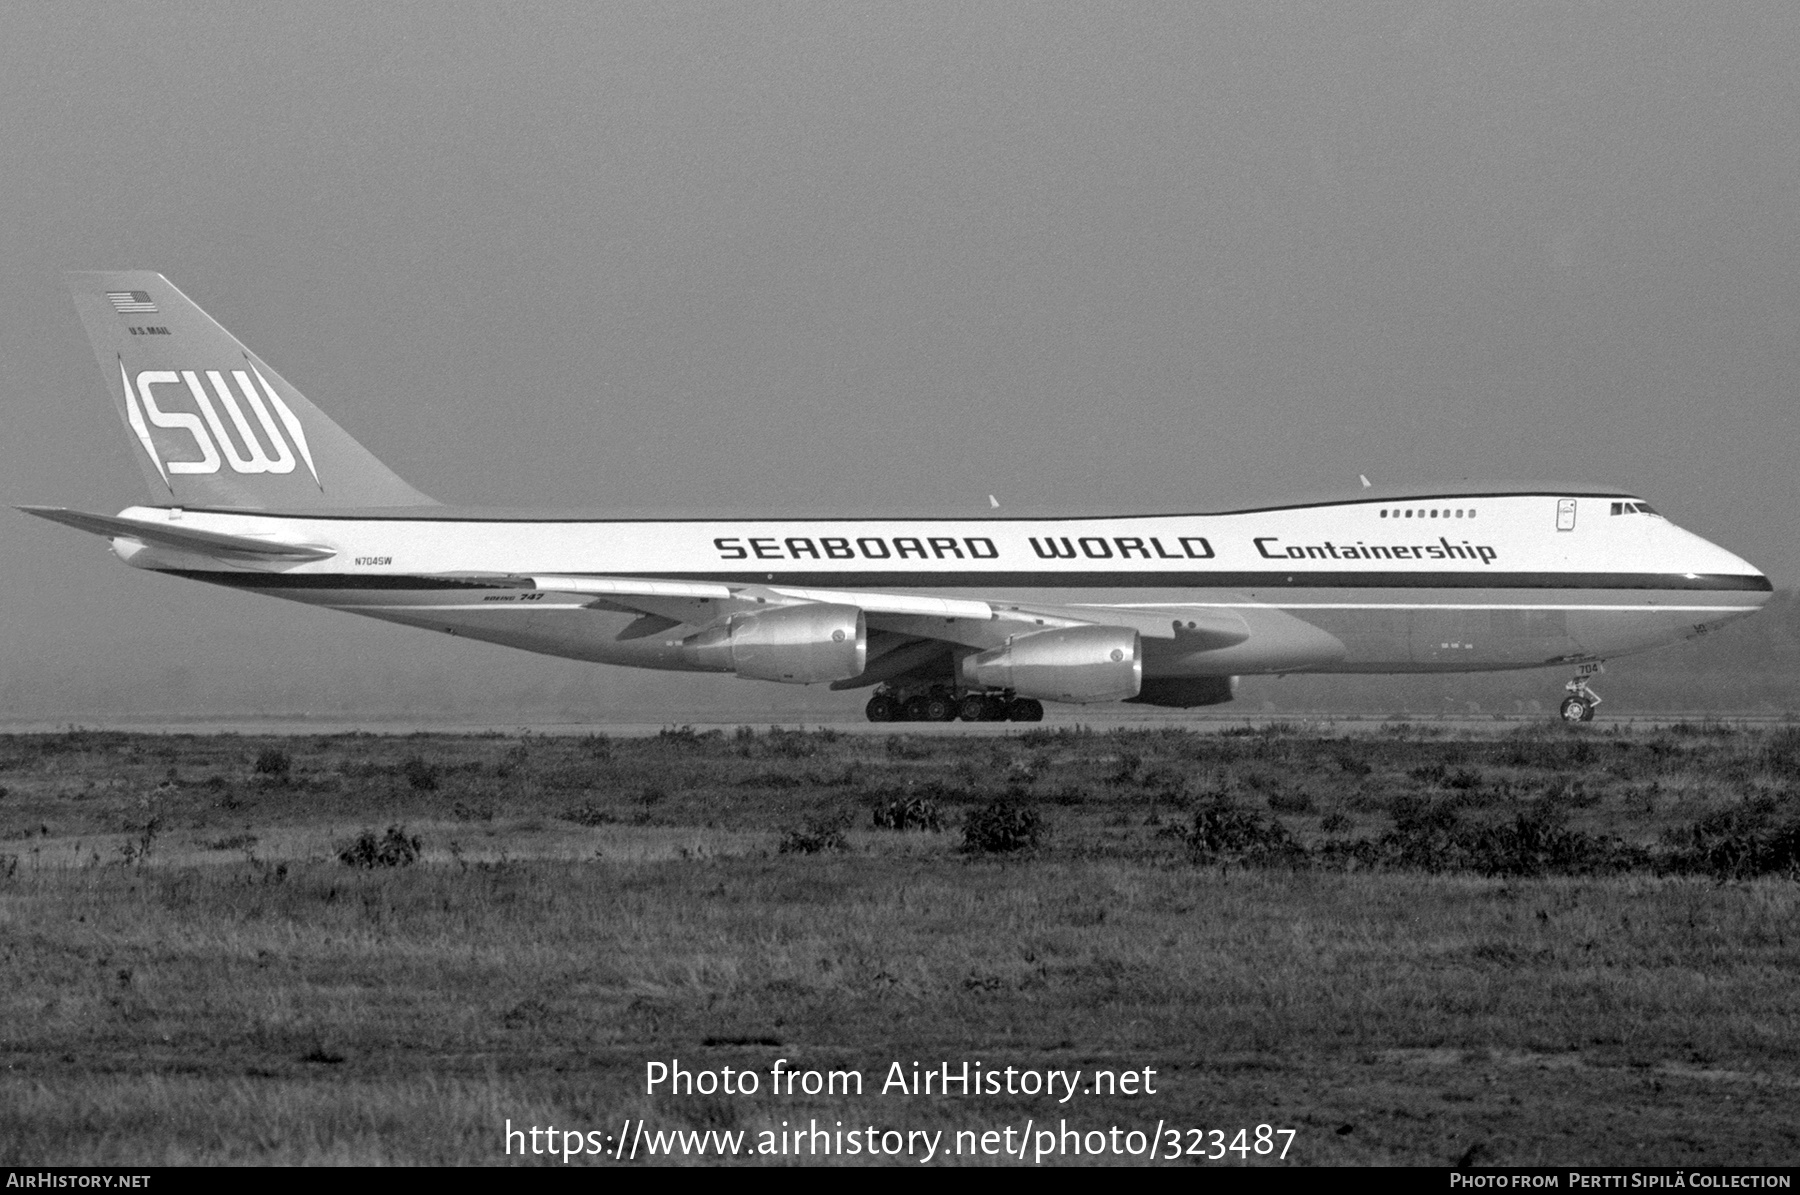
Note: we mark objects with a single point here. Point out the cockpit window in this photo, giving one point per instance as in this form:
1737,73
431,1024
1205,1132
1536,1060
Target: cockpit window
1633,508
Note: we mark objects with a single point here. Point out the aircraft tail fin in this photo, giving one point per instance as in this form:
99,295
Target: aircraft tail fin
213,424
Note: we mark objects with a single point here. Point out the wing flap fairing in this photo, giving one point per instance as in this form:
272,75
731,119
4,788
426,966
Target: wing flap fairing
1203,626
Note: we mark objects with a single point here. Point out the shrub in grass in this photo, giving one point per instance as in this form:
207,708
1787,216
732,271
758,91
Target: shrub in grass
1732,844
1706,727
393,849
914,814
1781,755
573,778
687,736
1062,736
588,814
1430,835
788,744
421,775
516,757
818,836
1424,833
1224,833
274,763
1291,800
1535,843
906,746
1001,827
1548,754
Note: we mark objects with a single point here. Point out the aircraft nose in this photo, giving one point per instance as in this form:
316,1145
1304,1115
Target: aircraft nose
1754,585
1705,559
1753,574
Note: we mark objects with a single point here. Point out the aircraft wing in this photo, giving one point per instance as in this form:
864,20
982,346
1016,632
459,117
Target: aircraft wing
908,630
186,539
973,622
627,588
703,602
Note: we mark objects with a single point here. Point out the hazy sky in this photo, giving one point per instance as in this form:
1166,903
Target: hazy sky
855,256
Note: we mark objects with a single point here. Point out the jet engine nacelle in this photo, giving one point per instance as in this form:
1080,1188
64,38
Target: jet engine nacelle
800,645
1070,664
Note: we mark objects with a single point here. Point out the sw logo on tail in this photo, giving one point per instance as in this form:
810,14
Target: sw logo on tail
253,460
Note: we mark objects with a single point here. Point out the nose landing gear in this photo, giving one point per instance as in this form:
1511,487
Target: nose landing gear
1579,705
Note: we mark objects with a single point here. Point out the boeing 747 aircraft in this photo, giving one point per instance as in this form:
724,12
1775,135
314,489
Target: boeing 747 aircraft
983,619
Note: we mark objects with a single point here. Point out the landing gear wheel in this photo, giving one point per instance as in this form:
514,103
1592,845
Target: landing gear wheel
882,708
917,709
1579,705
1025,709
939,708
974,708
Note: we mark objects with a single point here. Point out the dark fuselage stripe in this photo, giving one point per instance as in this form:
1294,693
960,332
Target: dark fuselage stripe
1048,580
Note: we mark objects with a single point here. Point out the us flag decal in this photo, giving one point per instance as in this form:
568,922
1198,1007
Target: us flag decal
127,302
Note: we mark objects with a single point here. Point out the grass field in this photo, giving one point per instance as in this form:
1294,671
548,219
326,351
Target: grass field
1549,945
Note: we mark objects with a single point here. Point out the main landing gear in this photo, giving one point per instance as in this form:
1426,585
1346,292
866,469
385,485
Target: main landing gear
1579,705
941,704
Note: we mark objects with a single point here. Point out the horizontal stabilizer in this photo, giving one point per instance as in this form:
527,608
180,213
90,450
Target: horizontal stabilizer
186,539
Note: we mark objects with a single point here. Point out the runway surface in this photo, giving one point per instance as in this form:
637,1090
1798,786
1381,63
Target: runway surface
1306,723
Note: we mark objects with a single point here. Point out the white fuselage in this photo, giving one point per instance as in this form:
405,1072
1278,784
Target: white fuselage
1458,582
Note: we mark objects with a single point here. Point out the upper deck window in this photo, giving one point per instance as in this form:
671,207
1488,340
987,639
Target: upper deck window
1444,513
1441,513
